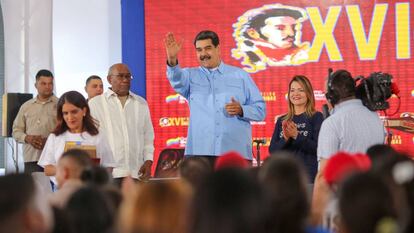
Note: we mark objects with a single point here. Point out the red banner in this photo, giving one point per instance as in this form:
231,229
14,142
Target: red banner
360,36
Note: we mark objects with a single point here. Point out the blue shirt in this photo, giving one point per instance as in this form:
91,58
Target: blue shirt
352,127
211,130
305,144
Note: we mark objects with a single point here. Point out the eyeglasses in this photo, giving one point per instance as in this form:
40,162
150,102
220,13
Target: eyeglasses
123,76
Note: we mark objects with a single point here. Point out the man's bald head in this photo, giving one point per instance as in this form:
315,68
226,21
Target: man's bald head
119,76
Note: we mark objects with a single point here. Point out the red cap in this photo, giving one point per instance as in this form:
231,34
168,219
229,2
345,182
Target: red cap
342,164
363,161
231,159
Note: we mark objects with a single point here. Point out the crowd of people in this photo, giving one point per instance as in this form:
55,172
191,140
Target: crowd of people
368,193
331,174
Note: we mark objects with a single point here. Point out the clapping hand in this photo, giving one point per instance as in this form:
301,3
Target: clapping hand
289,129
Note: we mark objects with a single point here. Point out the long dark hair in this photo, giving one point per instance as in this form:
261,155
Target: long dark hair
284,182
90,125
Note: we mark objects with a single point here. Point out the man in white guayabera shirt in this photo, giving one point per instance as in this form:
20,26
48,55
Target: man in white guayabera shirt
125,119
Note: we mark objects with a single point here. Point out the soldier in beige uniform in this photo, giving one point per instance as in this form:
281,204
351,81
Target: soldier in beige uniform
35,120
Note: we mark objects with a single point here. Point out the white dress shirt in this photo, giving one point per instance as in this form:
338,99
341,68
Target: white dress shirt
128,129
352,127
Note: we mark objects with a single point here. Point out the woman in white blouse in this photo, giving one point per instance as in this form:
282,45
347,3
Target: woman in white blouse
75,127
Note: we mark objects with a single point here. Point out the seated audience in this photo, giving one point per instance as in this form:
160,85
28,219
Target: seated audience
366,205
68,175
21,209
227,201
378,151
230,159
338,167
96,175
156,207
284,181
398,173
61,221
102,178
89,211
343,164
194,170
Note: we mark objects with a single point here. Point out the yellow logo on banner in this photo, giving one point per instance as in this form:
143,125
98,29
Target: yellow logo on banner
267,141
396,140
173,121
269,96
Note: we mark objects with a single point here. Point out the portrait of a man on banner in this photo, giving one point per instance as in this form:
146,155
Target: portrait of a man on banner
270,36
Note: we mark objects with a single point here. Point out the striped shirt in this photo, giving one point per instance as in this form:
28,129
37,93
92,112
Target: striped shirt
352,128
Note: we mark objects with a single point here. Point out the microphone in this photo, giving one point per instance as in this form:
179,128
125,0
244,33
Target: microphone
260,141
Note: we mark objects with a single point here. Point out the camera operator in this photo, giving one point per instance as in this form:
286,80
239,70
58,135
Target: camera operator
352,128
